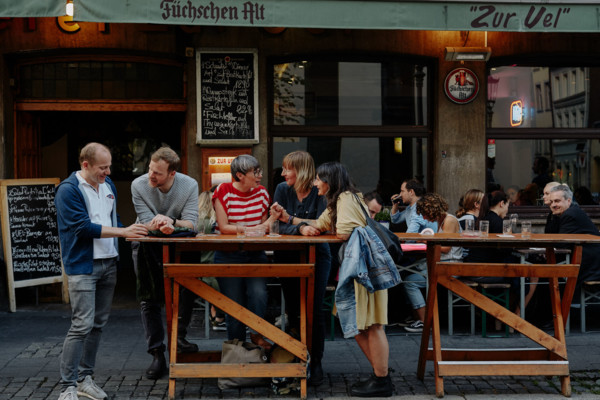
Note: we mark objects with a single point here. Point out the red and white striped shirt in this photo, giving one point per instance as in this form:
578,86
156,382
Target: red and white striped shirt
246,208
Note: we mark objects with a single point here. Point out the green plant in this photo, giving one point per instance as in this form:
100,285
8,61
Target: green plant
383,216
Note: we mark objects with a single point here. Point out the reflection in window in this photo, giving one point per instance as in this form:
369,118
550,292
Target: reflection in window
575,162
321,92
552,97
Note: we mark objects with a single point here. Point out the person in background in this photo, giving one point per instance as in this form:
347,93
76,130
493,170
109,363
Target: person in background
164,200
572,219
529,195
374,203
540,168
243,202
411,191
300,198
434,208
88,225
584,197
343,215
206,221
471,206
513,194
551,219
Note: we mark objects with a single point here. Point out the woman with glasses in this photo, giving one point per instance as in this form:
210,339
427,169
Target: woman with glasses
243,202
301,199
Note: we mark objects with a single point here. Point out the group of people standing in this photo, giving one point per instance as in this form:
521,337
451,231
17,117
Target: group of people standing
309,202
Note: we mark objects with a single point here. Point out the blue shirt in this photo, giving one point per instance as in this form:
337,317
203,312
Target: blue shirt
415,223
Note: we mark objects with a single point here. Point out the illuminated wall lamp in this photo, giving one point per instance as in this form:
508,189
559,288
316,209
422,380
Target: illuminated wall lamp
467,53
69,9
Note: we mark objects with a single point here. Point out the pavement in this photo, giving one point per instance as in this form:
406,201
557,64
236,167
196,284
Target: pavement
31,341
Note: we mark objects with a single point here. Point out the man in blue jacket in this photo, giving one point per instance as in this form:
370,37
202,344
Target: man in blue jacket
89,226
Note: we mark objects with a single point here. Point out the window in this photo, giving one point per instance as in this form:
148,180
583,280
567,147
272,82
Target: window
563,133
371,114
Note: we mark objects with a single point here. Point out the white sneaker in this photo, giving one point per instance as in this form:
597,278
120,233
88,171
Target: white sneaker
69,393
88,388
278,320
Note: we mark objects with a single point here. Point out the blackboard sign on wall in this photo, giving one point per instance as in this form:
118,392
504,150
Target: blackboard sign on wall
30,233
227,96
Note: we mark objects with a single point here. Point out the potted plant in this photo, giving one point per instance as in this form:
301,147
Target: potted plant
383,217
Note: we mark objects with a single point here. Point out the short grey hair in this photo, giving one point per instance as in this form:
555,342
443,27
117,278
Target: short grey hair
243,163
567,194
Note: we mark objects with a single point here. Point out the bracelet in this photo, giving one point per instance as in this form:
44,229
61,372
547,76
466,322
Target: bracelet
290,219
174,220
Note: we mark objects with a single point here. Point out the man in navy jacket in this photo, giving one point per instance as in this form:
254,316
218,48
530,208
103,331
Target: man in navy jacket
572,219
86,204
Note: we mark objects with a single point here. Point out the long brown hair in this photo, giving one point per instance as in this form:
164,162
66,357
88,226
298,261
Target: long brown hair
469,201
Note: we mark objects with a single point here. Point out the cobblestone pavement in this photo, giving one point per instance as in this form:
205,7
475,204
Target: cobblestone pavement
32,341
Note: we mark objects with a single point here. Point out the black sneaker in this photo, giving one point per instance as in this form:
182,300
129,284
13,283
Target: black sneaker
375,386
218,325
415,327
405,322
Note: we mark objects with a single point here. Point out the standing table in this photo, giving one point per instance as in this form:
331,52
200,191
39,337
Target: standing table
550,359
206,364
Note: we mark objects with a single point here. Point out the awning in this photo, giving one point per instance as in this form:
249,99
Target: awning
452,15
32,8
521,16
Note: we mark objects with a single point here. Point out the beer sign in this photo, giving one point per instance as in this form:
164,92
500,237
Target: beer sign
461,86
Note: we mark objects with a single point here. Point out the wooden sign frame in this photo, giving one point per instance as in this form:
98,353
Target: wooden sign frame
202,136
7,243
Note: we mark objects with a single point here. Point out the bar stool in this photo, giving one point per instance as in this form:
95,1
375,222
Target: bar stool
457,301
502,298
590,295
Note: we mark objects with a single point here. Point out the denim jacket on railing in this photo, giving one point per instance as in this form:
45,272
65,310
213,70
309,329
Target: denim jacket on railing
367,261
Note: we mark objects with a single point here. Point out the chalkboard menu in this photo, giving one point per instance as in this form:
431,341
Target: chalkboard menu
227,93
30,232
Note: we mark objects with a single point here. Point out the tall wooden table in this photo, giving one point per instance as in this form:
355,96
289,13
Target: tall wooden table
550,359
207,364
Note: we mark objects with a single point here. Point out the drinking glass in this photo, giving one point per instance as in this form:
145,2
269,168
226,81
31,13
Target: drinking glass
484,228
526,229
514,218
241,230
507,227
469,227
274,228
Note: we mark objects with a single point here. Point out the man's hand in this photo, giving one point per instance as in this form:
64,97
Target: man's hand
307,230
158,221
135,231
167,229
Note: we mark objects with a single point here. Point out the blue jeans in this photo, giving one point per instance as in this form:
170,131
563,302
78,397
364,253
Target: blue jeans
91,299
250,293
413,285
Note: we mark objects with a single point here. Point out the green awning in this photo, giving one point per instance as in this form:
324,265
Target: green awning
507,15
32,8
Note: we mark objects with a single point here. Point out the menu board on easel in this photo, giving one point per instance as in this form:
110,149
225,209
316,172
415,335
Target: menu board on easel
30,234
227,96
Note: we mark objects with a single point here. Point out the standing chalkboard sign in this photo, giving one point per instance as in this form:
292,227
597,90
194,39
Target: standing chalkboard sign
30,234
227,93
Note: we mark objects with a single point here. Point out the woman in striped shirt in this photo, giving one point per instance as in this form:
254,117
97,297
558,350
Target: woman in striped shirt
243,202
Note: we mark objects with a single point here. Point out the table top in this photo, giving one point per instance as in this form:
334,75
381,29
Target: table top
233,239
536,239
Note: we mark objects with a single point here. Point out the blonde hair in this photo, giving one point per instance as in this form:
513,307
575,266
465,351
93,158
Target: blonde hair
205,207
304,165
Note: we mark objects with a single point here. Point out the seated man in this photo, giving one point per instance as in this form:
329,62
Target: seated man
572,219
374,202
410,192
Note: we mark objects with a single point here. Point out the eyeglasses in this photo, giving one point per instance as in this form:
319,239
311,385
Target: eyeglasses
257,171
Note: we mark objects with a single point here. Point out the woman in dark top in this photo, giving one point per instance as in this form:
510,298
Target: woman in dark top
300,199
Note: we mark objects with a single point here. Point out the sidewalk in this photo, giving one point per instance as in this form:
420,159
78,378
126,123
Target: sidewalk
32,339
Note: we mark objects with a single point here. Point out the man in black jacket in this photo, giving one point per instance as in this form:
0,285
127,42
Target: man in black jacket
572,219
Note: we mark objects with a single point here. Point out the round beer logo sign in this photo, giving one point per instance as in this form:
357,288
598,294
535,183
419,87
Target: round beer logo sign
461,85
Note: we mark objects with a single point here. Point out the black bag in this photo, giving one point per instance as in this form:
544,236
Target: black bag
387,237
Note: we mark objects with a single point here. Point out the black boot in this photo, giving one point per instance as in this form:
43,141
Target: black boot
158,368
183,346
375,386
316,374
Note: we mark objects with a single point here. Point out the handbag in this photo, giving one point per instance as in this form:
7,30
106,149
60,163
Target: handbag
388,238
238,352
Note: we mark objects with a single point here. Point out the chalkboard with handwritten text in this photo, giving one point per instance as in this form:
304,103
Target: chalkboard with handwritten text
227,93
30,232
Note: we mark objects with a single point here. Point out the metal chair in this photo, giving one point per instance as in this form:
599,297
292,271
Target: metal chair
455,301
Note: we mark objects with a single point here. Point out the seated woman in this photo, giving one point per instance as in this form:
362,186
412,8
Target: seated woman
245,202
472,205
433,208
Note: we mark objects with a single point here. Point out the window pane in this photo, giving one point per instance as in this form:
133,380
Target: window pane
543,97
519,163
349,93
407,156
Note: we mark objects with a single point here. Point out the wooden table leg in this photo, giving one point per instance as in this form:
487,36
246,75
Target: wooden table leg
173,338
433,255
